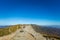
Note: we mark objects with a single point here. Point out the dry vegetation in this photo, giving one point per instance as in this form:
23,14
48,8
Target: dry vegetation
8,30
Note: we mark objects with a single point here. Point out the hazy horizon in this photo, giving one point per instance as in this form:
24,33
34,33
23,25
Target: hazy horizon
13,21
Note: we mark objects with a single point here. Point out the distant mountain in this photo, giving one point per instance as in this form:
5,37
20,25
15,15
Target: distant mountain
4,26
48,30
56,26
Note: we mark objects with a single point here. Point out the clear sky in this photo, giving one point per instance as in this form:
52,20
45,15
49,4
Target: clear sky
42,12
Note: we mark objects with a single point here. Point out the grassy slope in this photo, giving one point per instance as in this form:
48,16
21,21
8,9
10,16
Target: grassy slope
5,31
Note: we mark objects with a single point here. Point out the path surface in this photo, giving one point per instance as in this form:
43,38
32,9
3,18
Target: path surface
23,36
28,33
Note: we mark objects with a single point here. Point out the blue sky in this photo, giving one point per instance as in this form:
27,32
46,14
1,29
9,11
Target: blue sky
42,12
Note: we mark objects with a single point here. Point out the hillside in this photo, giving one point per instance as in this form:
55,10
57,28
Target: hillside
47,30
8,30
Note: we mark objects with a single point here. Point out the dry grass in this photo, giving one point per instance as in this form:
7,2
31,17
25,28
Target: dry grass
8,30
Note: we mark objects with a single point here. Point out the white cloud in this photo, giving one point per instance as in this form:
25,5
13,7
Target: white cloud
13,21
